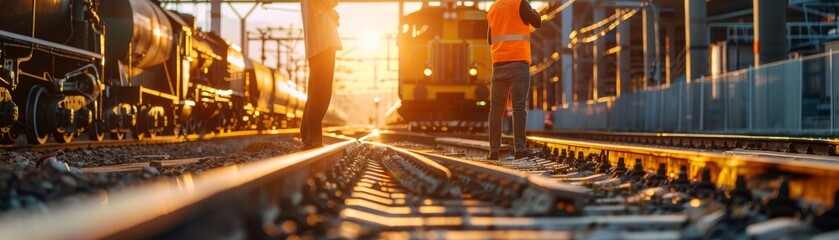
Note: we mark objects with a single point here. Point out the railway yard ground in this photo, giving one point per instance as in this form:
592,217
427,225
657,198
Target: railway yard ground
32,178
395,184
644,119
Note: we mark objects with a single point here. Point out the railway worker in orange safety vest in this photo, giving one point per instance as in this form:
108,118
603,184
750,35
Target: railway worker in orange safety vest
509,36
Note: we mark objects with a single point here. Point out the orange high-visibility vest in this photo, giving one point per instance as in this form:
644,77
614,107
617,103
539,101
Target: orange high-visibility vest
510,35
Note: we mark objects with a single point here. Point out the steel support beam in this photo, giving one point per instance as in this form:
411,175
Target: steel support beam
652,63
215,17
623,81
597,51
537,54
547,48
696,35
243,32
567,17
557,71
770,20
669,52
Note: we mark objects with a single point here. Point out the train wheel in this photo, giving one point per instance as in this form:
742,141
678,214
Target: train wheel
188,128
36,116
138,135
63,137
96,132
10,138
117,135
146,124
177,130
200,130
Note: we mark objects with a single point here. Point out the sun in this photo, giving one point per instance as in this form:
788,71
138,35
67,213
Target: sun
371,39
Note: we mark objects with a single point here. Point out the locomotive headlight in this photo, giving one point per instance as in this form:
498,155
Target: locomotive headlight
427,72
473,71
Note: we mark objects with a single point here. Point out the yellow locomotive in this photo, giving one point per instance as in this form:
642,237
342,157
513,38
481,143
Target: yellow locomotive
444,68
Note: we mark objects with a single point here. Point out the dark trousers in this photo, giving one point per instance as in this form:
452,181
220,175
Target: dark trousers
509,79
321,72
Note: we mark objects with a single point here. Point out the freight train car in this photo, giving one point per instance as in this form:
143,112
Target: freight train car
51,76
137,70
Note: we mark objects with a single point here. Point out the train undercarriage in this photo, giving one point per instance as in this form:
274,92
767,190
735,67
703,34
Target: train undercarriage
445,116
46,99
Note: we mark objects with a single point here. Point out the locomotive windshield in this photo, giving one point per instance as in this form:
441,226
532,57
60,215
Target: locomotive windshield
423,25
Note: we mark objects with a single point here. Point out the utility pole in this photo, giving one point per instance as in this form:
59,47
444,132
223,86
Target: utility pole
215,17
287,42
243,33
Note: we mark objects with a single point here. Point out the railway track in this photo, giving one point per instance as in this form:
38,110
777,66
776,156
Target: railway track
811,174
714,142
126,142
805,182
391,185
80,144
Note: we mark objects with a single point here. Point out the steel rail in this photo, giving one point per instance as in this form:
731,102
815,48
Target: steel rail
139,166
812,180
427,164
157,140
394,136
130,142
716,142
811,176
164,205
160,206
821,146
548,193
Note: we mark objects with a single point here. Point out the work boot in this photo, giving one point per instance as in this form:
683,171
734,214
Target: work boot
522,154
492,156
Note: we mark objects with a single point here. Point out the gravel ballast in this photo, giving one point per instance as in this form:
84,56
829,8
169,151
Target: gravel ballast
31,179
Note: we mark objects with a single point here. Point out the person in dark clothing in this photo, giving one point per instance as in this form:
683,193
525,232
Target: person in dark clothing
320,29
510,24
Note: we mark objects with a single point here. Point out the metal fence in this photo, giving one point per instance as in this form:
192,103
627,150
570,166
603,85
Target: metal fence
793,97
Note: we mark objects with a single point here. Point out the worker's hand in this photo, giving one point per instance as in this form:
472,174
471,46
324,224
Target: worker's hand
532,28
